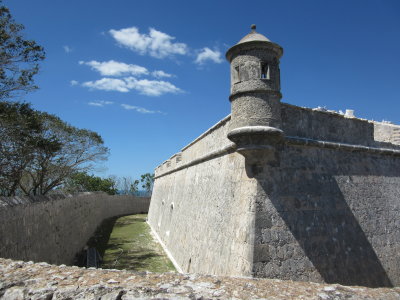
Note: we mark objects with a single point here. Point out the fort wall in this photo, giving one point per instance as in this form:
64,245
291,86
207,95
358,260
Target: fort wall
55,228
201,210
329,215
325,209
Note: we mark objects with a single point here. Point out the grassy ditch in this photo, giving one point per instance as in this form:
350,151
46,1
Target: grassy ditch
98,240
131,246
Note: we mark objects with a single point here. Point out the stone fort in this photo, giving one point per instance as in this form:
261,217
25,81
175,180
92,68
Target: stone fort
272,190
280,191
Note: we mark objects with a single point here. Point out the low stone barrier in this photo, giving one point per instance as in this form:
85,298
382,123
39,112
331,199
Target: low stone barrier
19,280
54,228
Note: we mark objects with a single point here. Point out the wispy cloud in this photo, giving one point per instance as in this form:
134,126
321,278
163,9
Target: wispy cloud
73,82
140,109
143,86
115,68
100,103
67,49
206,54
156,43
161,74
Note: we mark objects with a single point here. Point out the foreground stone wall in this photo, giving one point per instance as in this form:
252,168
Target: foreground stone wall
53,229
326,208
19,280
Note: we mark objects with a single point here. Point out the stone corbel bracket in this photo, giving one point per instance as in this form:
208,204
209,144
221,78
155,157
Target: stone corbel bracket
259,145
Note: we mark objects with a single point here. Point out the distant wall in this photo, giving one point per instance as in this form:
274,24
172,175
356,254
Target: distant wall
54,228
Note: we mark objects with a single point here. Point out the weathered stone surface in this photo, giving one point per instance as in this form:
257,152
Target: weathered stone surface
206,228
21,280
330,216
255,109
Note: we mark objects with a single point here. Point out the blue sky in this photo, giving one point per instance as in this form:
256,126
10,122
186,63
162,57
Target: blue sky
151,76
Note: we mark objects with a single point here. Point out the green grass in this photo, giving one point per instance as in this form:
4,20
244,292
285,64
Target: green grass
132,247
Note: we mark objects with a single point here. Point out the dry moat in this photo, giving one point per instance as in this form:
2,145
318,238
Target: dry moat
126,243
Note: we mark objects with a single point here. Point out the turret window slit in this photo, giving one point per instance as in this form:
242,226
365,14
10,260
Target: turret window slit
265,71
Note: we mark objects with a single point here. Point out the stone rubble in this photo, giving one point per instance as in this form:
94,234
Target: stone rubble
27,280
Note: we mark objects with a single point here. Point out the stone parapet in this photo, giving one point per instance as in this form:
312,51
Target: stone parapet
25,280
332,126
212,140
313,127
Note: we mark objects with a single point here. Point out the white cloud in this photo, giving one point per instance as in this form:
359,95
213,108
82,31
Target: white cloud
100,103
157,44
143,86
161,74
107,84
115,68
207,54
67,49
73,82
152,87
140,109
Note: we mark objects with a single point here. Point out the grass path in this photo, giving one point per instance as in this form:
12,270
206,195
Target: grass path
132,247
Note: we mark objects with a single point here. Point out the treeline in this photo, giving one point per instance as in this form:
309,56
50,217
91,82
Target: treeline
81,182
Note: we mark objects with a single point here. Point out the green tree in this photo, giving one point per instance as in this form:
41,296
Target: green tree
82,182
39,151
20,130
134,187
125,184
67,150
147,181
19,57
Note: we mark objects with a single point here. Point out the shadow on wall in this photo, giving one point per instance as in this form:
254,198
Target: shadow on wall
309,198
98,240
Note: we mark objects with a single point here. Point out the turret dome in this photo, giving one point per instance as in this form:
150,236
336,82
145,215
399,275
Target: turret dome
251,40
253,36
